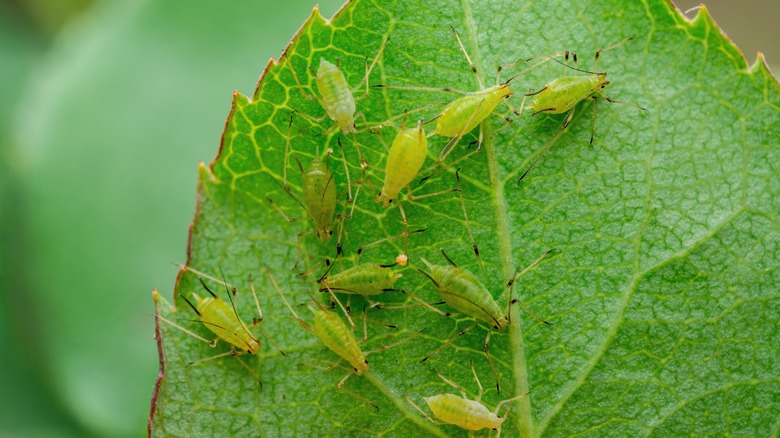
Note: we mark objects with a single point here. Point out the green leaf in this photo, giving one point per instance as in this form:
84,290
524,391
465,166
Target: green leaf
662,289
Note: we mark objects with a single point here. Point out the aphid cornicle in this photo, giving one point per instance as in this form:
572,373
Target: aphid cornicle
464,292
563,94
405,158
463,412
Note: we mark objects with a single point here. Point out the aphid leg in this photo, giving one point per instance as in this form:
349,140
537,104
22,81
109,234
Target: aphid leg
549,144
346,168
450,146
340,387
363,162
295,316
369,69
486,349
593,121
420,301
510,286
460,333
259,320
508,408
468,226
343,309
405,234
420,410
395,344
479,384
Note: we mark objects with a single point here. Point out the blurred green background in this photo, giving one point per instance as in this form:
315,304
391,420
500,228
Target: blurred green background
106,107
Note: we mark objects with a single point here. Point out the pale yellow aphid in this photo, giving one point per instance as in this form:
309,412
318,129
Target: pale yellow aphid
463,412
405,158
337,98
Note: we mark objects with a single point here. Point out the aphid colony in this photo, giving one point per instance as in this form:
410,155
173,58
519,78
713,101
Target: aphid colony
320,196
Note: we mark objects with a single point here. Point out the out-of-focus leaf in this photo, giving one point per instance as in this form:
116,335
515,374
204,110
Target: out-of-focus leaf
663,289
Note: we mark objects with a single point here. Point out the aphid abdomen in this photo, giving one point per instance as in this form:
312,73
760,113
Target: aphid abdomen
363,279
406,157
468,414
463,291
462,115
319,197
562,94
221,319
336,95
332,331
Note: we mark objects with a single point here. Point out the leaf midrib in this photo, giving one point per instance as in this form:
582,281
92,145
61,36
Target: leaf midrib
517,351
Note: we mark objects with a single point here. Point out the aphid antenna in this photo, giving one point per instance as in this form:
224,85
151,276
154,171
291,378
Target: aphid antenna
472,67
335,298
404,234
287,150
346,168
340,387
235,355
303,323
420,410
581,70
203,274
598,52
211,342
451,383
420,301
370,68
395,344
325,261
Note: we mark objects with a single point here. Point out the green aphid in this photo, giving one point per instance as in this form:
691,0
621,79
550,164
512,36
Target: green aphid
364,279
319,197
563,94
464,292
